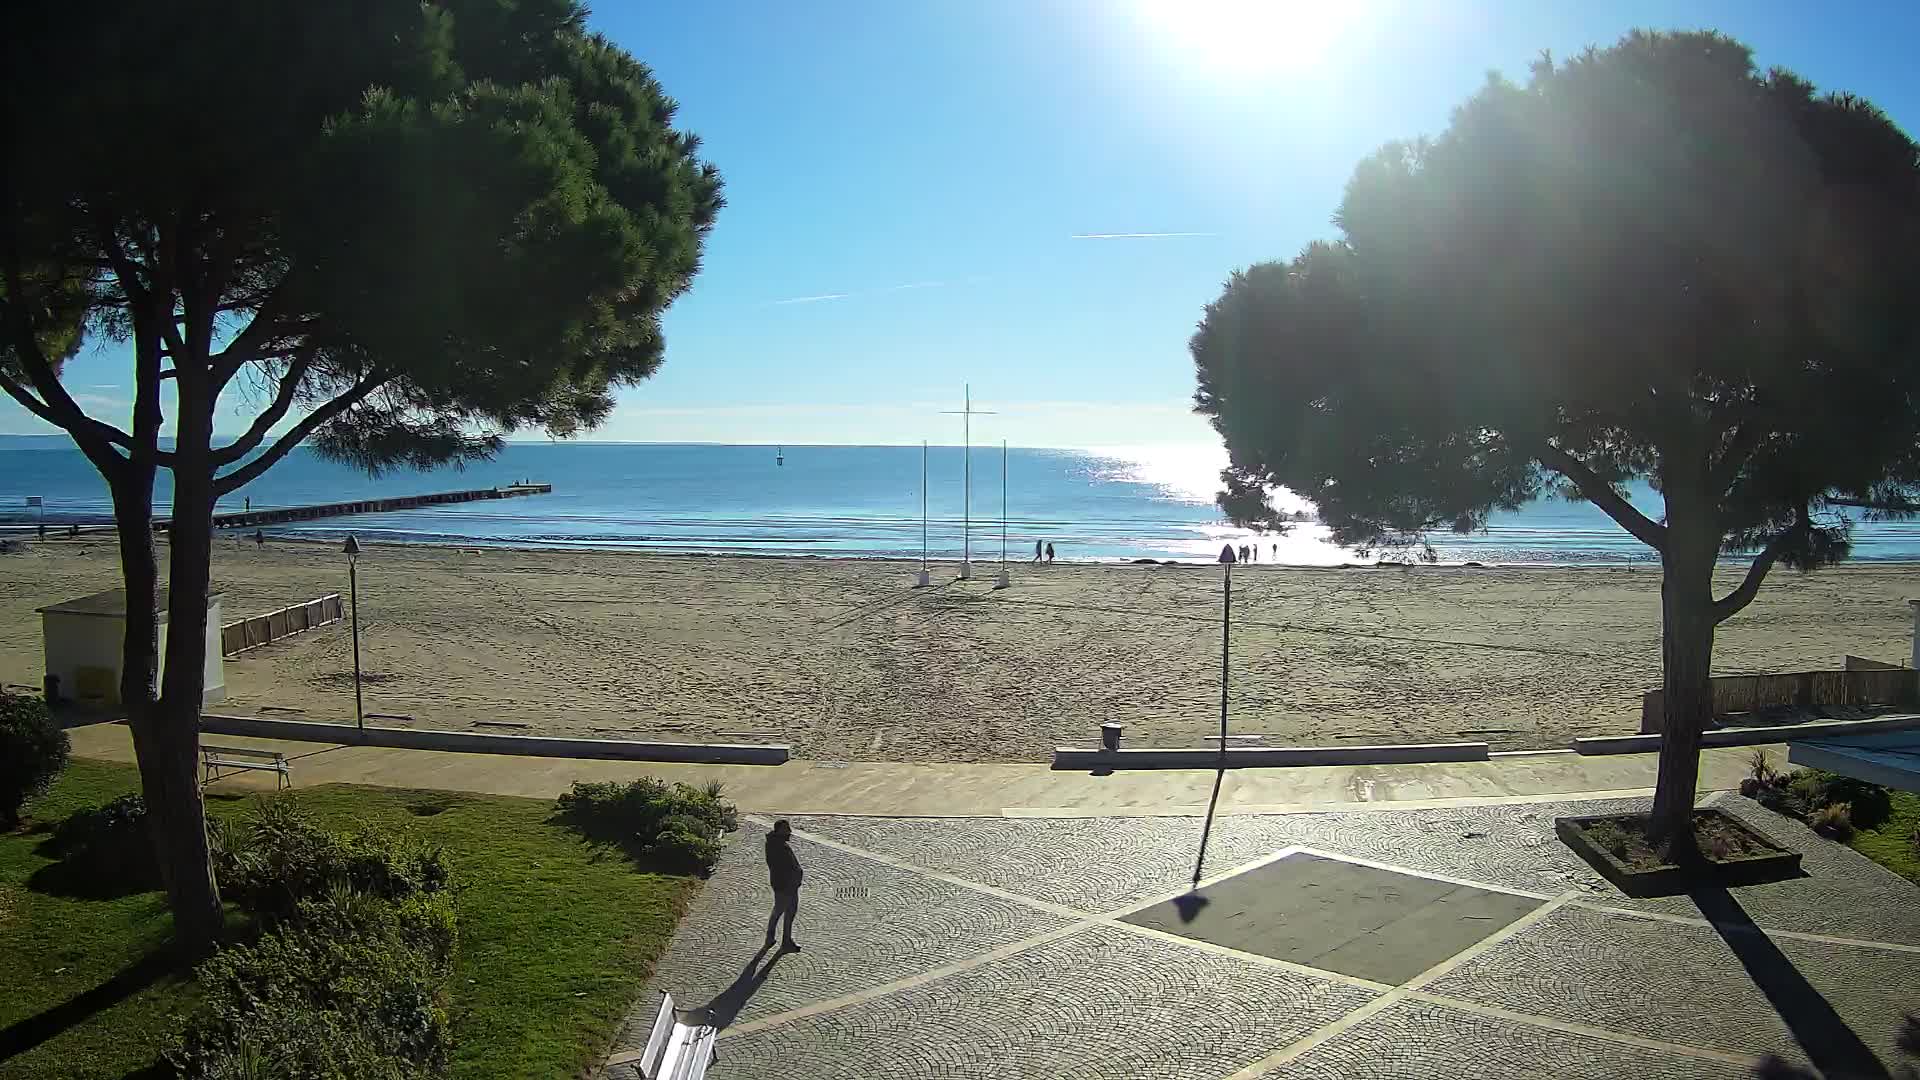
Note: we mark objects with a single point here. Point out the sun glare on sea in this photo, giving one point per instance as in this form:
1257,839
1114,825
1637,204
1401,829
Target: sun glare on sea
1247,37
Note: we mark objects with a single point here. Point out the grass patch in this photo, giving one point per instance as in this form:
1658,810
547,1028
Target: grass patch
555,936
1892,844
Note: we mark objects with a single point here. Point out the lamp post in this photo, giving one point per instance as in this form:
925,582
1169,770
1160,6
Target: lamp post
352,549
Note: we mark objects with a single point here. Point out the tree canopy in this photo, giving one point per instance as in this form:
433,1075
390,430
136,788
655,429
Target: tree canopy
1652,262
1649,262
408,227
398,230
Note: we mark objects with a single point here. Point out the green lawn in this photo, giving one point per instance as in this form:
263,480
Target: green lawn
555,938
1891,845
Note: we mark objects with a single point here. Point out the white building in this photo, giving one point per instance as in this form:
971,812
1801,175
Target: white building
84,639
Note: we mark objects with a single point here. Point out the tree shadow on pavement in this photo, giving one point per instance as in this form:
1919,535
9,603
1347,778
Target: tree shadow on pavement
1829,1043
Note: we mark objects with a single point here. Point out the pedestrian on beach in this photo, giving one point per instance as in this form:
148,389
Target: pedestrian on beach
259,538
784,873
1049,552
1036,551
1276,551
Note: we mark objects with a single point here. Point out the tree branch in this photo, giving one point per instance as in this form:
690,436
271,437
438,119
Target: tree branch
1734,602
275,412
1601,494
1740,447
233,481
246,346
95,439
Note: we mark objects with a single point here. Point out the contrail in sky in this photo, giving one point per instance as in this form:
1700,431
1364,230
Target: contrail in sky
861,292
1134,235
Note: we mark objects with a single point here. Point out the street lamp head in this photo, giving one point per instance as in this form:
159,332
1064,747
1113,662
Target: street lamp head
351,547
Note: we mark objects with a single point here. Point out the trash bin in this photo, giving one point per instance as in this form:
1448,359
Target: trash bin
1110,736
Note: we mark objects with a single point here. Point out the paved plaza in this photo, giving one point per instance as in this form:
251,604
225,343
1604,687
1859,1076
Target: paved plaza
1441,942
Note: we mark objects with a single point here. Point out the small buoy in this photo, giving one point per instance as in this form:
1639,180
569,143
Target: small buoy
780,455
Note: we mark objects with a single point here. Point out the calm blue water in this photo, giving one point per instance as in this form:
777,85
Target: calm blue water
860,501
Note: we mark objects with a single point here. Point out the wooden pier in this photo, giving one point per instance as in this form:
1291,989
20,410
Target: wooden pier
250,519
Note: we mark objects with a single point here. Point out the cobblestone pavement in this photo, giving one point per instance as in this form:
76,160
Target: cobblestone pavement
996,948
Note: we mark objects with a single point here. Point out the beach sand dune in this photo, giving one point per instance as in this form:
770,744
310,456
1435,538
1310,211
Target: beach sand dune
845,661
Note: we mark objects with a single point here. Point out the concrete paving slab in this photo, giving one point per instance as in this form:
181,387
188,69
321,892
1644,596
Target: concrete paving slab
1103,1004
1419,1040
1340,916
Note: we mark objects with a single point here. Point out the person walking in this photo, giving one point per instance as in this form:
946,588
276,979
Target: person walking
784,873
1049,552
1036,551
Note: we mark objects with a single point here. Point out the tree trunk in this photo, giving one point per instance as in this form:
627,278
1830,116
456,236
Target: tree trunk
179,819
1686,654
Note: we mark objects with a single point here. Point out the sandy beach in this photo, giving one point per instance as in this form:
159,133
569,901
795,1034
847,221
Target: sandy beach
846,661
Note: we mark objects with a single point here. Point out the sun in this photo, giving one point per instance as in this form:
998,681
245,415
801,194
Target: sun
1247,37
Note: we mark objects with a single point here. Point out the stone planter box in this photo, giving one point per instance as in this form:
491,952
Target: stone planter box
1764,861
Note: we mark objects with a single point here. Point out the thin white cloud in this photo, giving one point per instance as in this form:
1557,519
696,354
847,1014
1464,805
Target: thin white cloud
857,293
812,299
1135,235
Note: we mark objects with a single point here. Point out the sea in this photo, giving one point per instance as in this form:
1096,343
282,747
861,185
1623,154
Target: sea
1112,504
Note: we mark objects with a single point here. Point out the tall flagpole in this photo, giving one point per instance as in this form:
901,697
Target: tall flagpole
1003,580
966,520
925,577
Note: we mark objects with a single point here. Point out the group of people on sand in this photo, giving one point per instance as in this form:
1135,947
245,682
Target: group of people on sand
1039,546
1246,553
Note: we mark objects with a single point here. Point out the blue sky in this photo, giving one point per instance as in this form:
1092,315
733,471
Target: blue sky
924,194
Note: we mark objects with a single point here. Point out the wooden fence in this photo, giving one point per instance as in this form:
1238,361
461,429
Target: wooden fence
238,637
1749,693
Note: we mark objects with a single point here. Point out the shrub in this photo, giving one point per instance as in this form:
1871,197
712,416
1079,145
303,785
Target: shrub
1872,804
1833,821
1760,770
108,847
673,824
349,985
280,858
33,750
1806,792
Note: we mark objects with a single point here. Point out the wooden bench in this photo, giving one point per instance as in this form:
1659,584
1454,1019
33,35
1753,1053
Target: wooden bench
674,1051
218,762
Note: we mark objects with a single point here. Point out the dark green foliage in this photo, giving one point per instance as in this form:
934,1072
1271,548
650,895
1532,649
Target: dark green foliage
1870,804
1810,794
33,750
396,231
671,826
349,979
450,220
107,849
351,985
1649,261
280,858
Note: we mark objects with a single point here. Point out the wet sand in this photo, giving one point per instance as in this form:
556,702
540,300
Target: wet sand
846,661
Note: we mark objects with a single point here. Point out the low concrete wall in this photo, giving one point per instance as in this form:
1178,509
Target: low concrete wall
482,743
1749,736
1265,757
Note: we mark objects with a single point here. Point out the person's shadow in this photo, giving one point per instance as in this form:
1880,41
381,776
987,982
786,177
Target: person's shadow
724,1008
